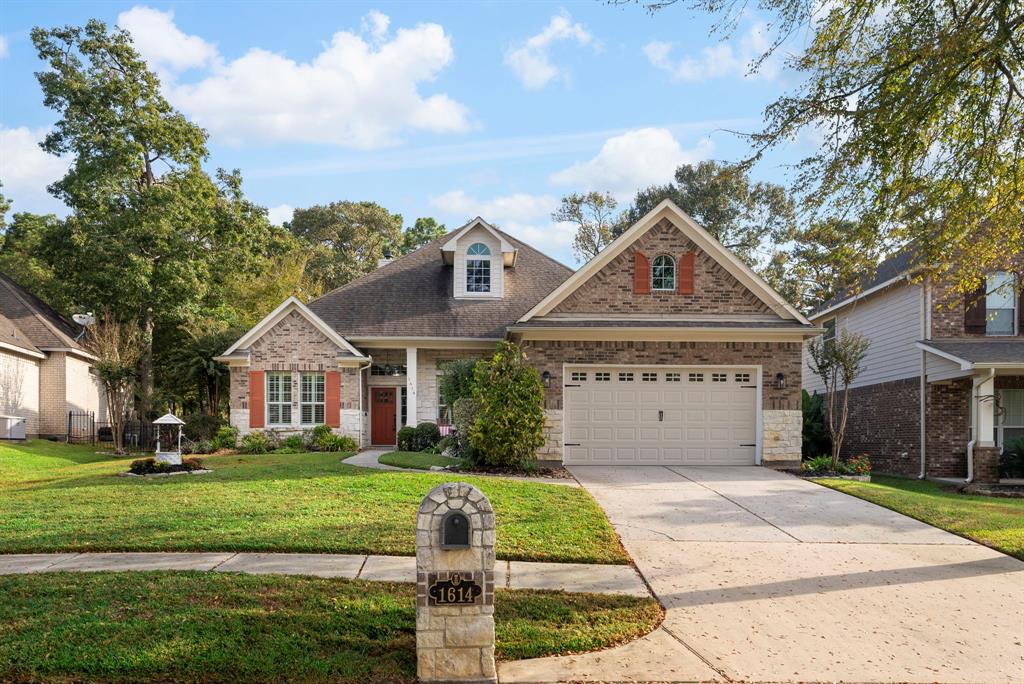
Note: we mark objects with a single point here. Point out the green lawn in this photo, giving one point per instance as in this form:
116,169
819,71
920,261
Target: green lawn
205,627
994,522
415,459
56,497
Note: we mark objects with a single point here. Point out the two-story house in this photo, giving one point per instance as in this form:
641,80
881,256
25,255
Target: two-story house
664,349
942,388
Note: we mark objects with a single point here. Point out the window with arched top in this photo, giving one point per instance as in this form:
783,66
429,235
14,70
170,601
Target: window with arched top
478,268
663,273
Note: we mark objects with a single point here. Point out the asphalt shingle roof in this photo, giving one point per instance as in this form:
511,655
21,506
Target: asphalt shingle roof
982,350
35,319
412,297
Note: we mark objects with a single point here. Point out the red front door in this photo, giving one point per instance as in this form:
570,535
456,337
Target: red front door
383,415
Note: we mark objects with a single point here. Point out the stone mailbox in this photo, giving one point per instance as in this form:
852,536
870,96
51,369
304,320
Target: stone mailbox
455,586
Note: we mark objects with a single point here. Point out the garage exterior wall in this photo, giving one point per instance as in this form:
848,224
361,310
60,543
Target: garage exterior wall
781,407
19,389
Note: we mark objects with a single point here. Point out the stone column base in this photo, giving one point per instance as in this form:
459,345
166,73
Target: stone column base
986,465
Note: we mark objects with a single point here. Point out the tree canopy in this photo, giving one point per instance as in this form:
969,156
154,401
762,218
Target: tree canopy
595,217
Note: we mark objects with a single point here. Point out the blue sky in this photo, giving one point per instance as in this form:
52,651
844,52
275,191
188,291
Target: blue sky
431,109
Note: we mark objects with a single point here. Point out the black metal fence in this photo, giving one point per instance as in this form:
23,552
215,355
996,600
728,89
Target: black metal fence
138,435
81,427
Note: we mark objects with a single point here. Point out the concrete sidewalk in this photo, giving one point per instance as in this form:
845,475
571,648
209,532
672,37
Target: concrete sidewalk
570,577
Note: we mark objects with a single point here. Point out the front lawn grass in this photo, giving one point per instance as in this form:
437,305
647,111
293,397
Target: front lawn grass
56,497
204,627
994,522
415,459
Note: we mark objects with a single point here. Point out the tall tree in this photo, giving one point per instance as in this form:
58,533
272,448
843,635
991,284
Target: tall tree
747,216
118,347
425,230
23,248
346,239
148,227
919,108
596,220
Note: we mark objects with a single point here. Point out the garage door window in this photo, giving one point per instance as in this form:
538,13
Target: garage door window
719,377
743,377
696,377
579,377
625,377
673,377
649,377
603,377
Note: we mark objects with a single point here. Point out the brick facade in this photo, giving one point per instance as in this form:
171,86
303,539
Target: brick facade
610,290
948,309
947,422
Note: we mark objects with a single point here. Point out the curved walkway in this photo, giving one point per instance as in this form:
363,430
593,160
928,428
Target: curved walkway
571,577
769,578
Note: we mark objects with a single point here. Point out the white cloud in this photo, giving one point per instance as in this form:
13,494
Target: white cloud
526,216
4,49
362,90
162,44
531,61
26,170
633,160
280,214
719,60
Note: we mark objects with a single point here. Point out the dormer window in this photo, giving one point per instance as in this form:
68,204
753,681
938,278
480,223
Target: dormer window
478,268
663,273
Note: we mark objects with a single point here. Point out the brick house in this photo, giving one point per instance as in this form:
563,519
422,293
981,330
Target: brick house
943,384
45,372
663,349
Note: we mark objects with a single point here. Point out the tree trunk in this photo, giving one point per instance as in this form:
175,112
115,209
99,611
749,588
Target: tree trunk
146,368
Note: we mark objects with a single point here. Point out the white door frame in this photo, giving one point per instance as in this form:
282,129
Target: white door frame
758,402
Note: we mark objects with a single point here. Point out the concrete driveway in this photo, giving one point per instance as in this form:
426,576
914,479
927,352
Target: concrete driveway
769,578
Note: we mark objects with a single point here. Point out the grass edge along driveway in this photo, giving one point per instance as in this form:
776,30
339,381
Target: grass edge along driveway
992,521
57,497
184,626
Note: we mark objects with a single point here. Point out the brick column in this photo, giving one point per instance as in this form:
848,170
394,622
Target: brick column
986,465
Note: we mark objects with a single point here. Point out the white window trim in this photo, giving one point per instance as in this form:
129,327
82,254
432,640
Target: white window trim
314,403
675,274
490,274
286,377
1014,306
835,329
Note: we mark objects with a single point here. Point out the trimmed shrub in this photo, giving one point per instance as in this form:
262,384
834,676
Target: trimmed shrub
1011,461
407,439
509,427
427,435
204,447
151,466
456,381
463,415
226,437
338,443
202,427
255,443
294,442
816,439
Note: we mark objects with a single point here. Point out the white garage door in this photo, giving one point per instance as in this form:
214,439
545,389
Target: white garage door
659,415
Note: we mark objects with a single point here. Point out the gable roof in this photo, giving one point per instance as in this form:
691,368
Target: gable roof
412,296
508,251
276,316
12,338
36,320
708,244
893,269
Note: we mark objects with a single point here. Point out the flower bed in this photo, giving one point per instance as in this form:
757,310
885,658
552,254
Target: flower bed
151,466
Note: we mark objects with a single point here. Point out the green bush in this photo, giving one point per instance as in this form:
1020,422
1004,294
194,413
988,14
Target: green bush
509,427
226,437
456,381
463,416
203,447
407,438
1011,462
817,464
255,443
427,435
338,443
815,435
202,427
443,445
296,443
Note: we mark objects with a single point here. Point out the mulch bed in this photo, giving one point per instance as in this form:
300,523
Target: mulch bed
556,473
815,474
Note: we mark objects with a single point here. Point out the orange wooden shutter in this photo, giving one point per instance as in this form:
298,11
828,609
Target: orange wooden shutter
641,274
256,399
332,398
684,278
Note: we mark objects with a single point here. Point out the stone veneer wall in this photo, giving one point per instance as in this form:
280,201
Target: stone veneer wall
781,407
782,437
610,290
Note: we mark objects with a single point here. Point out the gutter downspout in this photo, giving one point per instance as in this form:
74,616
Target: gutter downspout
975,384
369,362
926,330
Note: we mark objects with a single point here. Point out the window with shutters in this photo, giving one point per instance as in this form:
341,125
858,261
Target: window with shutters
279,398
311,399
1000,304
663,273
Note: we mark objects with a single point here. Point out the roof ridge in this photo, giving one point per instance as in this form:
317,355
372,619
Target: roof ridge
32,303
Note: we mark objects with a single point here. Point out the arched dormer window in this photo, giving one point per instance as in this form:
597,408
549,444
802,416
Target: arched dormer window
663,273
478,268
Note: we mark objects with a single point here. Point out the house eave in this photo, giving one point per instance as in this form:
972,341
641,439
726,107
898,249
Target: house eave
661,334
424,342
15,349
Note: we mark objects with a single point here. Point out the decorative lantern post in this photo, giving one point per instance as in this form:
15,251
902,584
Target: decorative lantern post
168,457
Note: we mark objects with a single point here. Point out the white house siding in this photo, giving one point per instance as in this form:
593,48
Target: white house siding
19,389
83,391
479,234
892,321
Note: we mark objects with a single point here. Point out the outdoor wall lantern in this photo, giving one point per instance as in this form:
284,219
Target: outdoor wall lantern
546,377
780,381
455,531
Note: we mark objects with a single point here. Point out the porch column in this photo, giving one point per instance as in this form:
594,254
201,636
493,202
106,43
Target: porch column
411,400
985,405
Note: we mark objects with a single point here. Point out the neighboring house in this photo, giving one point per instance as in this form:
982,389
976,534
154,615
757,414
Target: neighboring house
664,349
45,373
943,377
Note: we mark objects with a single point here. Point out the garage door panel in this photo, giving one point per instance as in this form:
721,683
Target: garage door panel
650,415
